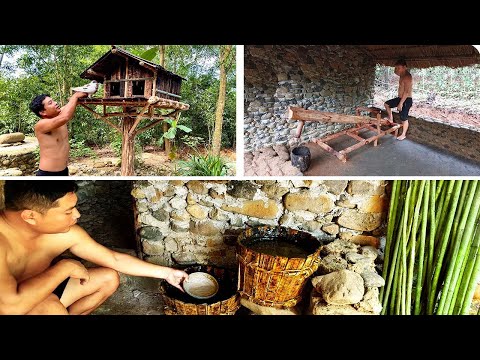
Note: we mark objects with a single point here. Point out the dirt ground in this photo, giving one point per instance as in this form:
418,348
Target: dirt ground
449,111
152,162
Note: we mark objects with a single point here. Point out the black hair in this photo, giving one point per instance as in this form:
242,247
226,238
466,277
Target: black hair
38,195
401,62
36,105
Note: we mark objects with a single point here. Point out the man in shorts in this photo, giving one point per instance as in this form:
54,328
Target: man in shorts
403,102
37,225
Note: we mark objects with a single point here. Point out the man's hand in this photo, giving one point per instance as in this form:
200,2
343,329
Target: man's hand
175,277
78,270
400,106
80,94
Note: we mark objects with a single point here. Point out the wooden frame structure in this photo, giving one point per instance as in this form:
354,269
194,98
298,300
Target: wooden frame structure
362,123
133,111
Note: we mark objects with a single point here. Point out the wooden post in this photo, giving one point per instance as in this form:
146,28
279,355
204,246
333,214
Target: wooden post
128,147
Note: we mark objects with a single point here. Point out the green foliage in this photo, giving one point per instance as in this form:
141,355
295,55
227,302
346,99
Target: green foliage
192,141
461,84
202,165
78,149
172,131
53,69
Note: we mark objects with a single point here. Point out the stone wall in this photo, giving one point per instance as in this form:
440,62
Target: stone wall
336,78
460,141
185,222
19,158
106,209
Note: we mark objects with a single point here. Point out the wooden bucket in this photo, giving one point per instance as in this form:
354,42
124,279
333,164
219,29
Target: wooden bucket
301,158
275,280
225,302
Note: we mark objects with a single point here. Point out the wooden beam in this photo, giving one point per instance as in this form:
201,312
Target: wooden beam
94,73
167,93
300,126
148,66
298,113
150,102
139,131
131,79
330,149
98,116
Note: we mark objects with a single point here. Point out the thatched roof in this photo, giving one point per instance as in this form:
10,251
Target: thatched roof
109,61
423,56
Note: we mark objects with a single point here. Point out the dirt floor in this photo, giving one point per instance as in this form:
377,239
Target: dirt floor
152,162
449,111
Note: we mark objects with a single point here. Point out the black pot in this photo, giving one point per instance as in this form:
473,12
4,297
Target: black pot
301,157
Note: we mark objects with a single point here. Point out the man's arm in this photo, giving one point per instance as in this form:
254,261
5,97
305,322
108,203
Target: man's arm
407,89
66,114
20,298
87,248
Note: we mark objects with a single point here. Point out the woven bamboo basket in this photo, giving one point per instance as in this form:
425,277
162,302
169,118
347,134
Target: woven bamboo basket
271,280
225,302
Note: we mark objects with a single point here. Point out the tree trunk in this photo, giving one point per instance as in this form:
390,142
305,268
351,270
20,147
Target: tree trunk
128,148
167,143
217,133
1,59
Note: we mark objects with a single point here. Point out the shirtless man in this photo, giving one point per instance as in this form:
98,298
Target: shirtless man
52,133
404,100
36,226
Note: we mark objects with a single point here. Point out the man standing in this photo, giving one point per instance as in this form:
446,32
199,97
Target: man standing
52,133
404,100
37,225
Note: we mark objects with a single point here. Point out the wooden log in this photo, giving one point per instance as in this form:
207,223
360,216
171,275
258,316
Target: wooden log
94,73
299,129
128,148
298,113
330,149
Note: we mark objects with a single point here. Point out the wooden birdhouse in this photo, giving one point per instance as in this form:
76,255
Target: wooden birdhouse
127,76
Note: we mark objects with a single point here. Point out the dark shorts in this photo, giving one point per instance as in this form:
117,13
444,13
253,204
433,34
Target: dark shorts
41,172
60,288
393,103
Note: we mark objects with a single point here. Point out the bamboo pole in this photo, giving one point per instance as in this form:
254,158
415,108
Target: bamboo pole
463,239
421,252
443,242
474,278
413,238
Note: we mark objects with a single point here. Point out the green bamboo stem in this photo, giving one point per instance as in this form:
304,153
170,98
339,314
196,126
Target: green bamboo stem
455,257
413,237
391,278
421,252
464,237
442,248
442,213
431,234
467,274
474,277
439,188
390,274
392,214
404,252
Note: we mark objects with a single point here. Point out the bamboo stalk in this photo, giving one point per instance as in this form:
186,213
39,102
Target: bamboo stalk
431,235
413,237
475,274
464,239
392,213
421,252
443,242
391,275
443,211
404,240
